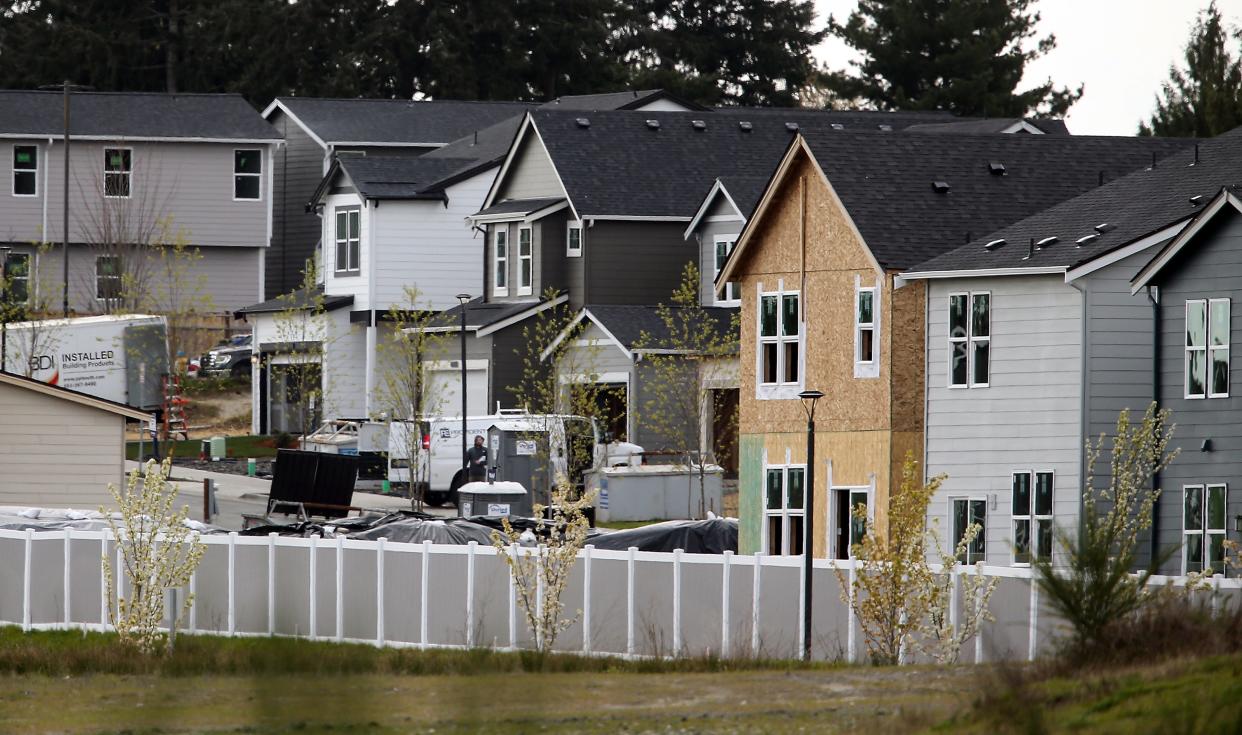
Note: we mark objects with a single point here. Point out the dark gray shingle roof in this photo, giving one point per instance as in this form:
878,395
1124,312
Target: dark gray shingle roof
480,314
398,177
642,327
991,125
624,100
1140,204
520,206
296,300
397,121
133,115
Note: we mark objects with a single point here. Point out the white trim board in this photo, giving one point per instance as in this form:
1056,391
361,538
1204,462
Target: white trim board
705,207
1175,246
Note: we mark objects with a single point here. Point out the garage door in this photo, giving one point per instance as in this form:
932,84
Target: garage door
445,396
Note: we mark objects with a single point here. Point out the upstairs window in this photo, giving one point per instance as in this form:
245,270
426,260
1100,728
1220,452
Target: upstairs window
25,170
118,168
17,278
970,340
1203,528
969,512
348,240
784,510
864,326
573,240
247,173
500,262
526,265
732,291
780,338
1207,348
108,277
1032,516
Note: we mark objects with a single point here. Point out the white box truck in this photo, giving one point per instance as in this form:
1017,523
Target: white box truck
121,357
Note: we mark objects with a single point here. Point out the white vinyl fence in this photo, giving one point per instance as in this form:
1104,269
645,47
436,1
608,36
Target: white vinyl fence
440,596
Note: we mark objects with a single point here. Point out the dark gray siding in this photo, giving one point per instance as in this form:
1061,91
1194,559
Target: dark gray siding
550,252
1210,267
508,353
295,233
635,262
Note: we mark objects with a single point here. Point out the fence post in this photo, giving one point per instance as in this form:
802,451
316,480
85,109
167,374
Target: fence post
1215,603
724,604
423,587
851,637
118,575
103,583
677,602
68,571
26,580
470,551
271,583
539,583
314,569
629,601
1033,638
513,550
586,598
379,591
756,588
340,588
901,644
193,626
232,582
978,616
954,583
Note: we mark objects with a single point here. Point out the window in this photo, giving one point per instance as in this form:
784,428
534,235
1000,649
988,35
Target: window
780,338
348,239
526,258
25,170
784,509
970,336
247,172
108,277
864,325
1203,528
500,270
1207,348
851,507
17,278
573,240
969,512
118,167
732,292
1032,516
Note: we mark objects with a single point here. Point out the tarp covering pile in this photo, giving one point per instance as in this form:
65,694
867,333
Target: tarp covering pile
712,536
57,519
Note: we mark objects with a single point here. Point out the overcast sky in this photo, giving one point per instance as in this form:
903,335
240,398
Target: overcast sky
1120,49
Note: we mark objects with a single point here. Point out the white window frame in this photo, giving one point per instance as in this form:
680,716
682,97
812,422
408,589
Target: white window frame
353,245
834,512
785,513
779,389
983,532
16,170
119,276
571,227
30,260
733,289
860,326
1212,349
500,263
1203,535
1032,518
528,260
258,176
1191,350
127,175
970,339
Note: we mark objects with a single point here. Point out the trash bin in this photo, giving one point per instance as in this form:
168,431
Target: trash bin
493,499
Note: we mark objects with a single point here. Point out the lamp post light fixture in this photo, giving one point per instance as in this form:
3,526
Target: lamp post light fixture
808,398
463,299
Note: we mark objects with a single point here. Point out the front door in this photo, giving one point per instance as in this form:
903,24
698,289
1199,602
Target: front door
848,528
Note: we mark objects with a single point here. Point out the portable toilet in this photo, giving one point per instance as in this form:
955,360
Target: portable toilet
493,499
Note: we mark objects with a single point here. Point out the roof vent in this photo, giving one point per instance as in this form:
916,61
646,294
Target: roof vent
1045,242
698,124
885,127
994,244
1196,200
1086,239
791,127
838,126
996,168
941,187
746,126
653,124
1105,227
583,122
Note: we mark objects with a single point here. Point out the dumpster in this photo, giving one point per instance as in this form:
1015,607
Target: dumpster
493,499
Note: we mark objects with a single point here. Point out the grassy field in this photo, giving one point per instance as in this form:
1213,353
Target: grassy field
70,683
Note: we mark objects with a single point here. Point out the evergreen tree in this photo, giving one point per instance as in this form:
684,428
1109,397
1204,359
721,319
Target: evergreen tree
964,56
1206,98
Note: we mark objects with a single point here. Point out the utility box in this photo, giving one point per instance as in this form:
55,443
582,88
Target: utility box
657,492
493,499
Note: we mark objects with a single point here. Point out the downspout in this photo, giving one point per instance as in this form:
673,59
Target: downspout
371,336
1083,423
586,262
1155,397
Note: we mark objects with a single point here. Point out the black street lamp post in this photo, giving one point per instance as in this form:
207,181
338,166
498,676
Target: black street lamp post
809,398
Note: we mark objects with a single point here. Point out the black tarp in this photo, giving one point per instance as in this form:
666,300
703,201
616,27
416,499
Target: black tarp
416,531
714,536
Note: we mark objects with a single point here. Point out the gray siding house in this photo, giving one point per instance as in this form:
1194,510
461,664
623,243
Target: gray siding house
144,169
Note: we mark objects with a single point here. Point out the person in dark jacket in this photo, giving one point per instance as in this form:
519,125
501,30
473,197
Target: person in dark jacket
476,461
